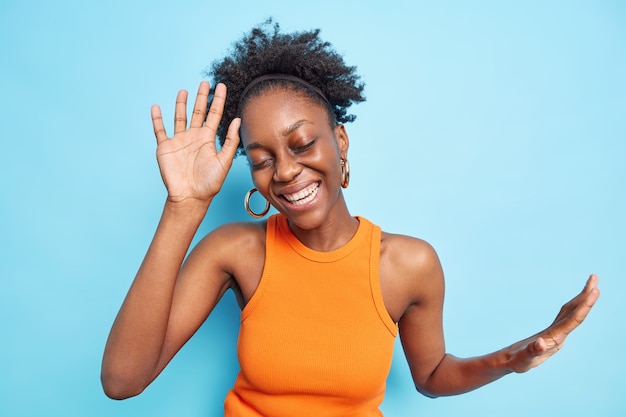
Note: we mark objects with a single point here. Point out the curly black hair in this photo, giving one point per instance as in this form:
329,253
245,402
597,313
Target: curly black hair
264,50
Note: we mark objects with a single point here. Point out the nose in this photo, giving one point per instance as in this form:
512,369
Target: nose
286,168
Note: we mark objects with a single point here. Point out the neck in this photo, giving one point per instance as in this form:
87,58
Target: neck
335,232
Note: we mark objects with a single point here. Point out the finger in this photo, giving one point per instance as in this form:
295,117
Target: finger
199,107
535,348
539,346
591,283
231,143
584,306
590,286
157,124
217,107
180,112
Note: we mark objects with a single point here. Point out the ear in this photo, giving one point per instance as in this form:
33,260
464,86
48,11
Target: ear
341,136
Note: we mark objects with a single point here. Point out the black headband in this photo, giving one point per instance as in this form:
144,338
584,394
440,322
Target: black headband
286,77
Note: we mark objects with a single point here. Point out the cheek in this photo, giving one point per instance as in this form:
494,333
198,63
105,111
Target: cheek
330,157
261,181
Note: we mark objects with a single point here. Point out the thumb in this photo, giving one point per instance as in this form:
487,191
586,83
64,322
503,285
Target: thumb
232,140
537,347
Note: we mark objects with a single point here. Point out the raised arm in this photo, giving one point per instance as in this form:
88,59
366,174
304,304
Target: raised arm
142,339
437,373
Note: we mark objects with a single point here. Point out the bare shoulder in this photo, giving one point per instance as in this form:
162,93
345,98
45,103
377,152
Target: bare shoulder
410,272
234,243
238,233
408,256
407,251
239,250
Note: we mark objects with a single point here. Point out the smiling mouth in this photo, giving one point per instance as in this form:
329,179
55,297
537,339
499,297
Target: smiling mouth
303,196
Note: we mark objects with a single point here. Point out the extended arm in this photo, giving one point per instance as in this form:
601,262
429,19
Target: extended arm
160,312
437,373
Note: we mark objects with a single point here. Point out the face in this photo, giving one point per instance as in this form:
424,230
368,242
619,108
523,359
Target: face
294,156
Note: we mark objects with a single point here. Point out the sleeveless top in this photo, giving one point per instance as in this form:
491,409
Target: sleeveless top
315,338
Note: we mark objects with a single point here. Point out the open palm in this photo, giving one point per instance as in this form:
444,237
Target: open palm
533,351
190,165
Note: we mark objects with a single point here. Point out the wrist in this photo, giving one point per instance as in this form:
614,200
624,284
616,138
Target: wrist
191,208
502,361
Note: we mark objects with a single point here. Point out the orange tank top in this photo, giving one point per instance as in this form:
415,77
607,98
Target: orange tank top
315,338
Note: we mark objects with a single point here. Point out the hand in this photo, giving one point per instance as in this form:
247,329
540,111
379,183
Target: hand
190,165
533,351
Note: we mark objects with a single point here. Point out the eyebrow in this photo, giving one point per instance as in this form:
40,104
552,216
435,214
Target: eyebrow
293,127
286,132
253,146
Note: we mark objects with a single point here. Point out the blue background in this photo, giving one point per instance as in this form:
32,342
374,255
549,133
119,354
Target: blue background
494,130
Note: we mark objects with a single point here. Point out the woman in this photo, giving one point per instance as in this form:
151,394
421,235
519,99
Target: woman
323,293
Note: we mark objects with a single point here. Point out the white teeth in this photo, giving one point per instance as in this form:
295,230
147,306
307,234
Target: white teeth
303,196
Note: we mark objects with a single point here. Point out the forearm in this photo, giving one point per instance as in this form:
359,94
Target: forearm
456,376
134,346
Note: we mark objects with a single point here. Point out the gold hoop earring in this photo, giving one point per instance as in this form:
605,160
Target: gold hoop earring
345,173
246,204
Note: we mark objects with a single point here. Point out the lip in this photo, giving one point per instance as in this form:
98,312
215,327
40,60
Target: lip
300,196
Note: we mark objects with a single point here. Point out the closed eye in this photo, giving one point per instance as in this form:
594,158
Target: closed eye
262,164
305,147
